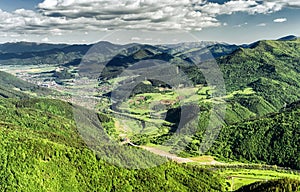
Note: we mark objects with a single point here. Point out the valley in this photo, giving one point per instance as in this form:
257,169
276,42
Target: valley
138,106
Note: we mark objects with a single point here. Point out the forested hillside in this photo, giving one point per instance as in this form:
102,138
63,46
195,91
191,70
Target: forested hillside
258,132
273,139
41,150
269,67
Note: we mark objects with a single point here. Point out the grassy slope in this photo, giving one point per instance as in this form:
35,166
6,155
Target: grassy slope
237,178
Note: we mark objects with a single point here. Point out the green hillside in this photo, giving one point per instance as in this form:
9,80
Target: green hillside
41,150
271,68
260,79
273,139
11,87
51,145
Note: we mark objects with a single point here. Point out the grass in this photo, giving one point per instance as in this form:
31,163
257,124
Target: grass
30,69
204,91
247,91
203,159
178,97
240,177
117,80
160,147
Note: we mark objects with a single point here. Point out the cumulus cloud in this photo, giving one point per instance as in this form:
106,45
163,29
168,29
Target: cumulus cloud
154,14
132,14
57,16
23,21
249,6
280,20
286,3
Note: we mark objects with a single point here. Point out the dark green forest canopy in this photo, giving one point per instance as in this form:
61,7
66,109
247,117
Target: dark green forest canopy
273,139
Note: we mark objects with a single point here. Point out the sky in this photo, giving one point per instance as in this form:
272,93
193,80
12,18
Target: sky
147,21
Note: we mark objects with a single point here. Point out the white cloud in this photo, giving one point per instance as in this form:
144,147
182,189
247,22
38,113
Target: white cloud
15,35
132,14
280,20
153,14
56,32
261,25
46,39
135,39
249,6
286,3
241,25
56,17
3,35
22,21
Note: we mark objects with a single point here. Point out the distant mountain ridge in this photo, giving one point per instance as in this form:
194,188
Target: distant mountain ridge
30,53
288,38
22,47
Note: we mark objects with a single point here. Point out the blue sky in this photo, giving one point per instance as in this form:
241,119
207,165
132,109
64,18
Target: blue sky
11,5
147,21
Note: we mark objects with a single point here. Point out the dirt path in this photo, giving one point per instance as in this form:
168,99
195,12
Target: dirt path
169,155
178,159
166,154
